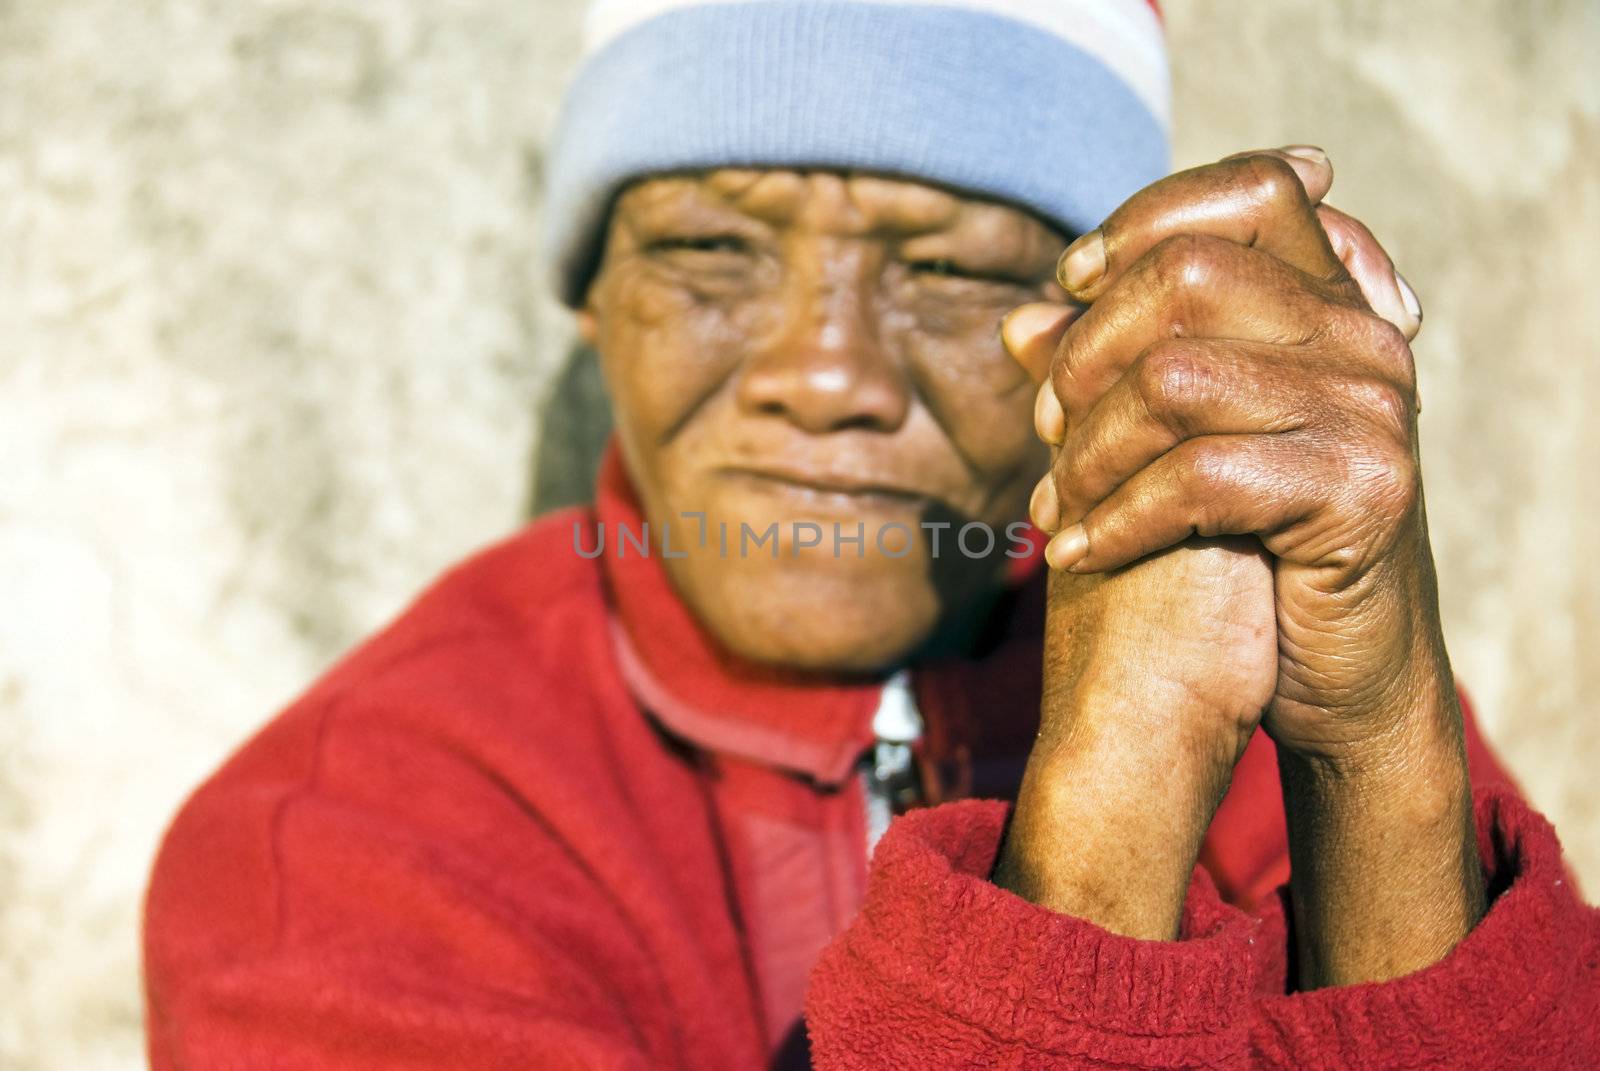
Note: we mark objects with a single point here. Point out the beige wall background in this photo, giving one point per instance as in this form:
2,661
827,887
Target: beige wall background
273,343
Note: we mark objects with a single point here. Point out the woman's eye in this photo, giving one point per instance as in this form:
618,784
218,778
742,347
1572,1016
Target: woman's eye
945,268
941,267
713,243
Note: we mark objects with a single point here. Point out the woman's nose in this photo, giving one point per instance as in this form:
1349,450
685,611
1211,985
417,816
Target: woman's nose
827,368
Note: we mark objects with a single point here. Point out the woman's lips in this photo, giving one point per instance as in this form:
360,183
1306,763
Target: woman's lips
838,492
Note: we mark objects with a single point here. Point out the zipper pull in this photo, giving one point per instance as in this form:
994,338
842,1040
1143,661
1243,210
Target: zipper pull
890,770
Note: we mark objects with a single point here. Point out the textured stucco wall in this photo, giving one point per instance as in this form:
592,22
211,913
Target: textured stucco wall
272,346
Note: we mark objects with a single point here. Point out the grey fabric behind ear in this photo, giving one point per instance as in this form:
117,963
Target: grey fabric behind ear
573,426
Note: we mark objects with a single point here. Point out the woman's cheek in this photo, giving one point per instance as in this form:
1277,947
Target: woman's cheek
983,401
664,350
976,388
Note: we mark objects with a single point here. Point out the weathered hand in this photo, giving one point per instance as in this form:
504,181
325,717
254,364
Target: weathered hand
1155,677
1231,377
1242,369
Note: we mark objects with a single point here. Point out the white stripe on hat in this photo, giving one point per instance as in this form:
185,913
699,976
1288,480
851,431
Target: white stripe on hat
1125,35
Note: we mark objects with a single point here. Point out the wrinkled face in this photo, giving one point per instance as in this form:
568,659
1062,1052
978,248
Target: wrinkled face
806,350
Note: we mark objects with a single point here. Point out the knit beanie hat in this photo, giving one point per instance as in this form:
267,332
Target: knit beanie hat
1059,106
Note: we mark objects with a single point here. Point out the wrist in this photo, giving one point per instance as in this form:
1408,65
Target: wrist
1109,821
1407,762
1385,872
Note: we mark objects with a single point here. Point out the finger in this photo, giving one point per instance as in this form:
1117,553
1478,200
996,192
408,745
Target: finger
1372,269
1310,163
1219,485
1258,199
1196,287
1043,509
1049,419
1177,390
1031,333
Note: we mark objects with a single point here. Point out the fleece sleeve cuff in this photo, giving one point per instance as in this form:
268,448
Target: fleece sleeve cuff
1521,990
941,960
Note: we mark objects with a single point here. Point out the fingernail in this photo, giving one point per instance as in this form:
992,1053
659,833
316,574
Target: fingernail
1049,419
1067,548
1083,263
1408,297
1025,323
1309,153
1043,509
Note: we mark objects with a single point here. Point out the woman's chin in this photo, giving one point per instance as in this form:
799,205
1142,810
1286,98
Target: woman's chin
843,621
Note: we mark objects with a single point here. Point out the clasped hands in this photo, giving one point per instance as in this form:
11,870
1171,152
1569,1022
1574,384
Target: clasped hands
1238,539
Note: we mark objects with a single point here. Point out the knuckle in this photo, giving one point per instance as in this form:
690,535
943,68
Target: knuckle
1183,262
1392,481
1386,404
1208,474
1069,473
1206,470
1064,372
1269,181
1394,408
1360,233
1387,345
1172,377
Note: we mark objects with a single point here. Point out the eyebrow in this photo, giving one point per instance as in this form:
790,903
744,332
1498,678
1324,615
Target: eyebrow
674,202
881,205
907,213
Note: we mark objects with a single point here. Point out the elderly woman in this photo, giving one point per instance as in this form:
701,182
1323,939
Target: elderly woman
605,795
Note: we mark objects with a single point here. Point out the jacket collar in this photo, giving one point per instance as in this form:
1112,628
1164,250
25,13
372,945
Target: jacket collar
802,723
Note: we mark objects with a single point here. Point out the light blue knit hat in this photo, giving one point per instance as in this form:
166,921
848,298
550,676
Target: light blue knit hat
1060,106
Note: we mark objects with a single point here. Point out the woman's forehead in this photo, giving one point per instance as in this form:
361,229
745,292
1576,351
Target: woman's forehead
859,202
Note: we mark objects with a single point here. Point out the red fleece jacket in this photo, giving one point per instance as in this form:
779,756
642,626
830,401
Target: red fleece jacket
542,822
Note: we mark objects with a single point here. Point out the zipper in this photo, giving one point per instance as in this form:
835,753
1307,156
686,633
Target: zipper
888,769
